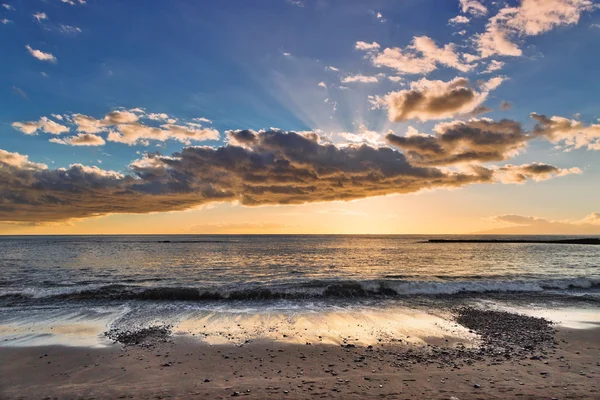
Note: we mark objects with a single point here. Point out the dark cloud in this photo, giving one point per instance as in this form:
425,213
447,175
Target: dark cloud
242,137
277,168
480,110
430,100
273,167
571,133
476,140
505,105
535,171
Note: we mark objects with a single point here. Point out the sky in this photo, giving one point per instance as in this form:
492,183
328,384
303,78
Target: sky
299,116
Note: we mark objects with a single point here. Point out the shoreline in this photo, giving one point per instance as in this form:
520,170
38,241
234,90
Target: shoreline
186,368
513,355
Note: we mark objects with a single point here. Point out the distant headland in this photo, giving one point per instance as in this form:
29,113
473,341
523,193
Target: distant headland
595,241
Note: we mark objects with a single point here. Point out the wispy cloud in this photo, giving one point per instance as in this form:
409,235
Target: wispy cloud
20,92
73,2
40,16
528,225
530,18
360,79
68,29
473,7
82,139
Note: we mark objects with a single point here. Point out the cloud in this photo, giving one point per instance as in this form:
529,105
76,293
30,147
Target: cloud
479,110
593,218
470,58
484,140
363,135
322,84
44,124
331,68
123,126
535,171
495,41
493,66
40,55
473,141
91,125
137,133
158,116
8,7
505,105
459,19
360,79
431,100
82,139
535,17
364,46
5,21
421,57
473,7
527,225
68,29
39,16
530,18
73,2
493,83
18,161
570,133
87,124
20,92
274,168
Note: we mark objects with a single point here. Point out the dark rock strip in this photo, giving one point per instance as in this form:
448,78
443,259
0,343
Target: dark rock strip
144,337
504,337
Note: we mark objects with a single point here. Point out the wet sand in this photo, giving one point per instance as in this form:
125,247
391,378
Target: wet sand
183,367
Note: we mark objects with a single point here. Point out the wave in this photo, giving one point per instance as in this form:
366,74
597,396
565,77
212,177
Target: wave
303,290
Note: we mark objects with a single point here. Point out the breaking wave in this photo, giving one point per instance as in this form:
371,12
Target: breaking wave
302,290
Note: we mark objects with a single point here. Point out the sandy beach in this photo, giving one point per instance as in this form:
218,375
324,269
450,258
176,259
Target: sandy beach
566,366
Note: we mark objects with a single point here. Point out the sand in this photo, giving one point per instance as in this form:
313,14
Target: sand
187,368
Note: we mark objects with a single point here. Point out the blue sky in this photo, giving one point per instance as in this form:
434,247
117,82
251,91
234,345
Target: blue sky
267,64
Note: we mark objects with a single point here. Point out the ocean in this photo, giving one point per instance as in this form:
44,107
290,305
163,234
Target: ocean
92,283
